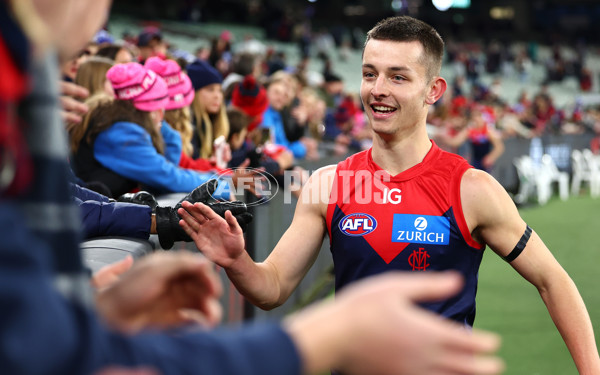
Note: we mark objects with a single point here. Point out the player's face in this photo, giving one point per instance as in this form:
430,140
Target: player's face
394,86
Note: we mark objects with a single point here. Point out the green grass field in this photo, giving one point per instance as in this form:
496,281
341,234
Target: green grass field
509,305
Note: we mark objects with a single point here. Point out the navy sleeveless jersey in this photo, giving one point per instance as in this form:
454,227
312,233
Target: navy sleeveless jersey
410,222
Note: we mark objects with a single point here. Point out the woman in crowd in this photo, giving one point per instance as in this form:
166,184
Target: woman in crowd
91,75
123,147
119,53
208,109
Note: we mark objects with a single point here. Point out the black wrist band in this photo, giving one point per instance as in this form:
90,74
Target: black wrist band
520,246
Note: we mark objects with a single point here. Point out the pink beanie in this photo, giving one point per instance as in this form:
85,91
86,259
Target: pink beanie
181,92
144,88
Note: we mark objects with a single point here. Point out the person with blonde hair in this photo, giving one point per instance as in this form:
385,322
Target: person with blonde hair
209,113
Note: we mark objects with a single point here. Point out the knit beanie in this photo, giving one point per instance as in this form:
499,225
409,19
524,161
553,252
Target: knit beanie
181,92
203,74
251,97
144,88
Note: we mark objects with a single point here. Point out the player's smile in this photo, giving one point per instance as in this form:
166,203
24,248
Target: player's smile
382,111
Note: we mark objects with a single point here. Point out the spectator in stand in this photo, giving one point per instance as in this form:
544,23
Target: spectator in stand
177,114
243,64
123,147
69,68
220,52
295,114
540,114
209,116
150,43
120,54
251,97
92,75
242,148
278,96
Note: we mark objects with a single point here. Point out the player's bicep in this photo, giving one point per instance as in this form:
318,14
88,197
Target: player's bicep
491,214
497,222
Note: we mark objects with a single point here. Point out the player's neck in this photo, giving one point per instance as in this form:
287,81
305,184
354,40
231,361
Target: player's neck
397,155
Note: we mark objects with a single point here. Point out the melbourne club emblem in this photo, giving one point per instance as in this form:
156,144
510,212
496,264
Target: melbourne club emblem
418,260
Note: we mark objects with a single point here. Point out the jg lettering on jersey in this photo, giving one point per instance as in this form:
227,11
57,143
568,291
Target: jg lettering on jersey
422,229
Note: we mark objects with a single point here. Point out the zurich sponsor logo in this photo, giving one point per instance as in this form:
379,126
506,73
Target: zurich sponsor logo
357,224
424,229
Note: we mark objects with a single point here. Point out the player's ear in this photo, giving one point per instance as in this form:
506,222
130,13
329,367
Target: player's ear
437,88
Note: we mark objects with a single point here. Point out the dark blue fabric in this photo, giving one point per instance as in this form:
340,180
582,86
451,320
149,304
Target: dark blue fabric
47,332
42,333
103,218
115,219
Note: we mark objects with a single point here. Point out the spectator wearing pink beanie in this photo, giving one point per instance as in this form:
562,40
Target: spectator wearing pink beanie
177,129
123,147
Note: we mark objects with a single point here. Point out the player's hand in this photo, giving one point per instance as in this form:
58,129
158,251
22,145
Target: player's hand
374,326
163,290
220,239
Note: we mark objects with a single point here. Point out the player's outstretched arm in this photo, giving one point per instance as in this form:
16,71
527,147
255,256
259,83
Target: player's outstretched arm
358,333
493,217
267,284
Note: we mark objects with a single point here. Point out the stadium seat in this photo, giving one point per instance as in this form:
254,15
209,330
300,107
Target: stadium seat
585,169
551,171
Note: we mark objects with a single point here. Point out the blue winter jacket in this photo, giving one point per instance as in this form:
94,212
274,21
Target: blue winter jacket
103,218
272,120
126,148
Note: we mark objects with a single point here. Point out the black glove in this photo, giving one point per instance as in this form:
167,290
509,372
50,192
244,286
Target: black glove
167,219
237,208
141,197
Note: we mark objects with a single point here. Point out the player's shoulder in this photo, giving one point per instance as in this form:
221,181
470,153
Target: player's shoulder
477,182
482,195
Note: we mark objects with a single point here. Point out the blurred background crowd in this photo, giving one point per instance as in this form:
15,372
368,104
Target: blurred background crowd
278,82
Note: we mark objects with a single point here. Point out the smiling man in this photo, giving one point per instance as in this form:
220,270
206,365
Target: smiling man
402,205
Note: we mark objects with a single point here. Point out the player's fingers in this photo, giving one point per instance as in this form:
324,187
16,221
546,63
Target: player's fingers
232,222
204,210
198,211
193,218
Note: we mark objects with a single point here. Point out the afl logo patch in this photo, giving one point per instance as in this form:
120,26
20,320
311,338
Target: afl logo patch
357,224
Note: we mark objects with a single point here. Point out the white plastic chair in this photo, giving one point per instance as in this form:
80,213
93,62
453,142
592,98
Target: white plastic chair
526,176
585,170
554,175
